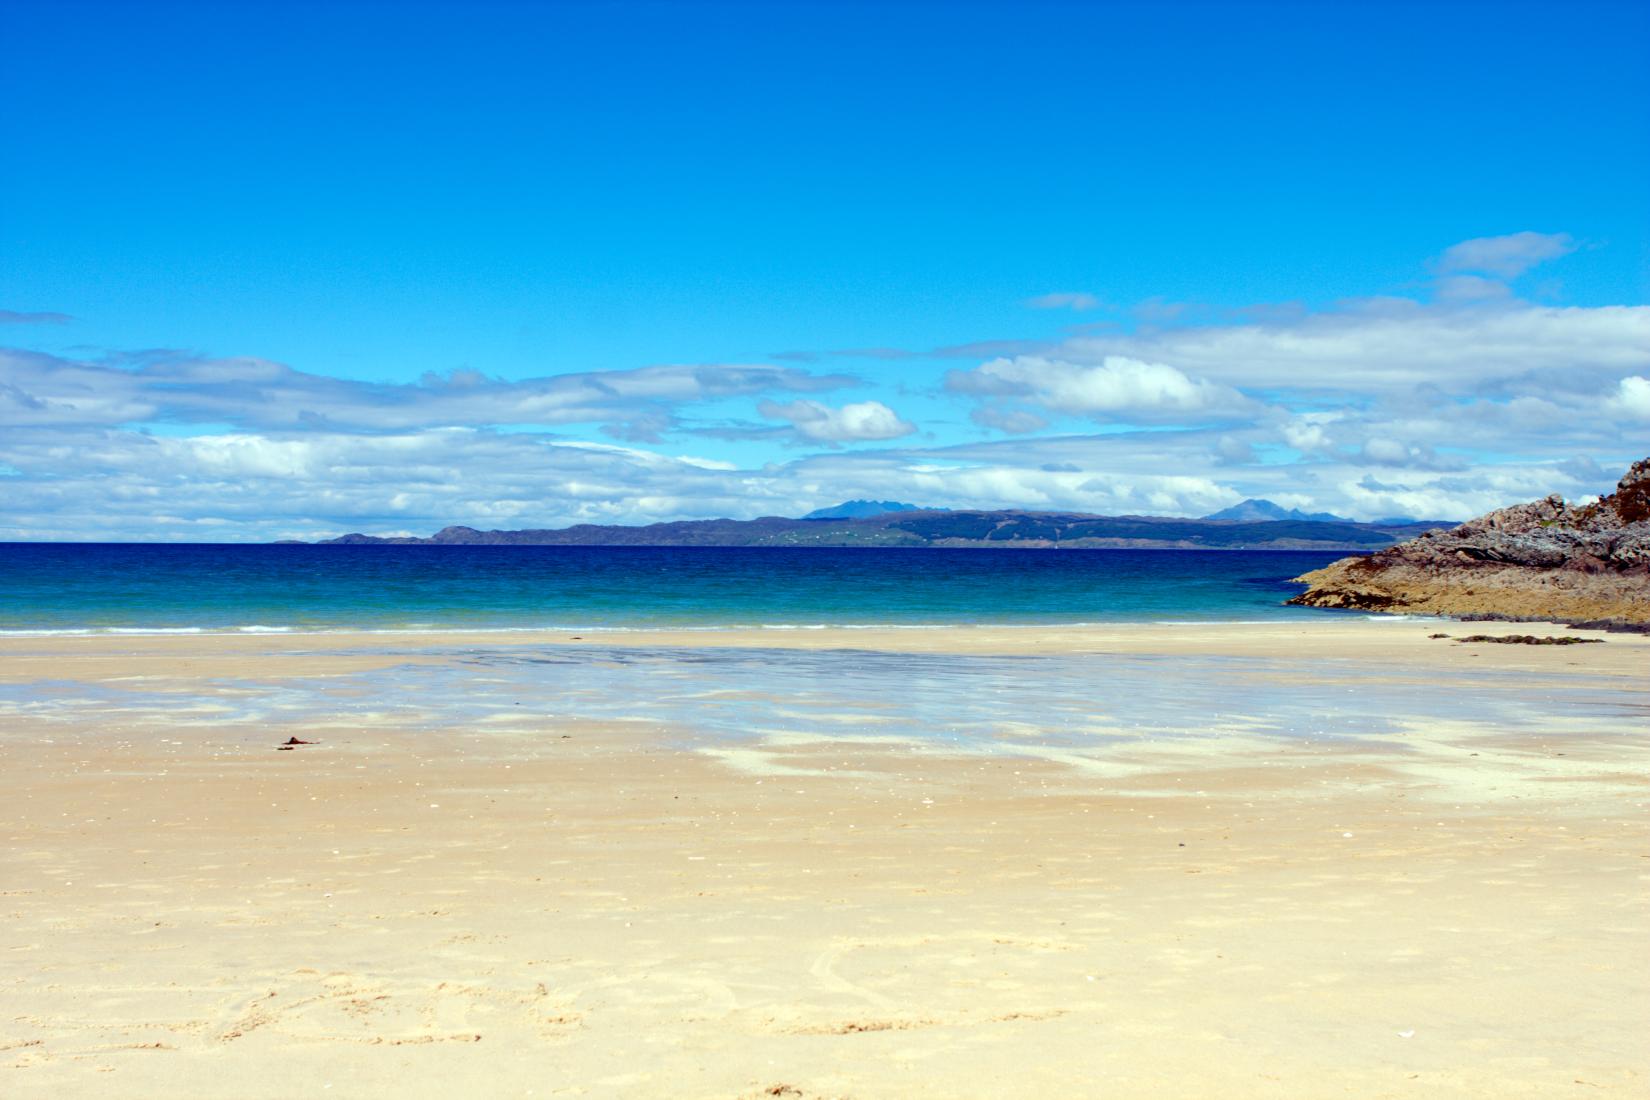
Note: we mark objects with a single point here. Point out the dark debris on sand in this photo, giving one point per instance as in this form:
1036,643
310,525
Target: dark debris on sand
1529,639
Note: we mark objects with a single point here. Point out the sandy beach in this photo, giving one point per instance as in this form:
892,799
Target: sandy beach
665,874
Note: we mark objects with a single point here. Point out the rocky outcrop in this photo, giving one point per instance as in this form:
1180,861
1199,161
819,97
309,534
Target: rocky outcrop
1543,560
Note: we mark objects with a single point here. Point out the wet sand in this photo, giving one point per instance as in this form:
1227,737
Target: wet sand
581,903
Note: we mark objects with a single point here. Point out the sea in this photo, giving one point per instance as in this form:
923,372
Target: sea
744,702
205,588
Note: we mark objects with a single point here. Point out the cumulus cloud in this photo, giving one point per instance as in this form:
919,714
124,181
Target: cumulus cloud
1383,450
860,421
1632,398
1309,433
1066,299
1505,257
1117,388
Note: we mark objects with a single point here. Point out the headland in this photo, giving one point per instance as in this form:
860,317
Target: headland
1542,560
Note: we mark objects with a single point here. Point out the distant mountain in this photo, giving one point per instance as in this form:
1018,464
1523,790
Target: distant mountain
935,528
1259,511
859,509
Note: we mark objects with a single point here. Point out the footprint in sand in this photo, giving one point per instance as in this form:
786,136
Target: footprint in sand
352,1009
930,971
824,969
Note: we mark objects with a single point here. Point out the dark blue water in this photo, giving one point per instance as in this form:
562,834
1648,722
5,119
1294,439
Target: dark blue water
236,587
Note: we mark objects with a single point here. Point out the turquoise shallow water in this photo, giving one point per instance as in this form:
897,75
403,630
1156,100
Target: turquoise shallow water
101,587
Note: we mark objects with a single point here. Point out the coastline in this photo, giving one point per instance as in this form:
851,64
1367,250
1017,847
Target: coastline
1582,563
1380,638
578,905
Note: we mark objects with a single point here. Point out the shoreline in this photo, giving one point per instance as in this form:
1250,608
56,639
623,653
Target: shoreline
540,631
1358,638
1081,631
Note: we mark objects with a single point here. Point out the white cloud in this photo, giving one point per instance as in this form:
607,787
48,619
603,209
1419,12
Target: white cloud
1373,407
254,393
996,476
1505,257
1308,433
82,483
98,483
860,421
1380,347
1388,452
1447,496
1116,389
1632,398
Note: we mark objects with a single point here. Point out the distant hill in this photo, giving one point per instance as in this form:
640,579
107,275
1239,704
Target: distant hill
935,528
860,509
1254,511
1257,510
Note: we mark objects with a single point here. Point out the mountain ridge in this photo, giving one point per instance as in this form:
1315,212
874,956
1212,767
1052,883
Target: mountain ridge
864,509
1258,509
937,528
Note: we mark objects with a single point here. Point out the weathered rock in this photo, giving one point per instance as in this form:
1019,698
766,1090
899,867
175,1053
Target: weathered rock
1545,559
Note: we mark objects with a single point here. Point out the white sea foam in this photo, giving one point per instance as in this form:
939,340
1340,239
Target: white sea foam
155,630
45,633
590,631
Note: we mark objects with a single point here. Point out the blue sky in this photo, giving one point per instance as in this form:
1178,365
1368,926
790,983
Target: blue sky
271,270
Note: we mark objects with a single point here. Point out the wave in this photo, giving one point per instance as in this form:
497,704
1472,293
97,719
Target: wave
420,629
152,630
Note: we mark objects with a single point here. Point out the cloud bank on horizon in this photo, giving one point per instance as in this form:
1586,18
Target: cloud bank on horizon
1460,396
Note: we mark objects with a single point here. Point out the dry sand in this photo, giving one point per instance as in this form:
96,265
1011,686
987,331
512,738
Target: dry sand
586,909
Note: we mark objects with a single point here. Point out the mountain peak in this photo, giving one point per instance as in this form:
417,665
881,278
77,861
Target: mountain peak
859,509
1255,510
